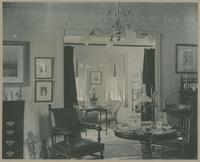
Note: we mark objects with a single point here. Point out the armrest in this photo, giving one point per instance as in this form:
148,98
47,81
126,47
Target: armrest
93,126
57,131
61,131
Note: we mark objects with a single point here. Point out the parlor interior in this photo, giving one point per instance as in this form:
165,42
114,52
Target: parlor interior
101,80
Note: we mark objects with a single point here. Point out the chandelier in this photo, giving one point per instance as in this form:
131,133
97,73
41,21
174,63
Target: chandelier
118,26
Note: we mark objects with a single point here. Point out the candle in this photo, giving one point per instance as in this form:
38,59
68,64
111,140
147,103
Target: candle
151,91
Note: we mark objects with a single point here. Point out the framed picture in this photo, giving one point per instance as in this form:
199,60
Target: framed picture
15,61
186,58
43,68
43,91
96,77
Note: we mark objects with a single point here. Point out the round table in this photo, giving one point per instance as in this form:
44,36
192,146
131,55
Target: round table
146,137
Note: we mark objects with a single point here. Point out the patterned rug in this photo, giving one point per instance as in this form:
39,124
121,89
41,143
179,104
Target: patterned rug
123,149
117,147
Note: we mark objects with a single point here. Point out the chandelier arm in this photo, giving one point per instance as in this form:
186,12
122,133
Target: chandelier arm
118,11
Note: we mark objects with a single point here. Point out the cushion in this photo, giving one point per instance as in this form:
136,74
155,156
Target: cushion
79,148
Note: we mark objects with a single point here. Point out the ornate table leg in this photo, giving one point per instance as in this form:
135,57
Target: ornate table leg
146,149
106,123
86,121
100,117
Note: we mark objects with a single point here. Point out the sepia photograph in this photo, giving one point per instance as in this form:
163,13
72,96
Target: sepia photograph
113,80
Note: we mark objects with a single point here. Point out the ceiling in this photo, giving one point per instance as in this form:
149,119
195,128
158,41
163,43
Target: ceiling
101,7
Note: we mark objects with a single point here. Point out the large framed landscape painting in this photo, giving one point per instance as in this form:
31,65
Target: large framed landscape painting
15,62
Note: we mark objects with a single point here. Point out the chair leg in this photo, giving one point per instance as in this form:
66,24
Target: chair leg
163,152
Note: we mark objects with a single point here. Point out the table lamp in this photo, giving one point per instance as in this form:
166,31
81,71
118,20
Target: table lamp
144,98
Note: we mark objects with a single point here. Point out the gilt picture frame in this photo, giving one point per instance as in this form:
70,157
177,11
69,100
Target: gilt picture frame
186,58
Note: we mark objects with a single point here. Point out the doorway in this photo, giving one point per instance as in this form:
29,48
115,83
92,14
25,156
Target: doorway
89,57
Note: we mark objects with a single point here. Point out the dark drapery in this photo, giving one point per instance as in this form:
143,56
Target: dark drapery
192,149
149,76
70,95
149,70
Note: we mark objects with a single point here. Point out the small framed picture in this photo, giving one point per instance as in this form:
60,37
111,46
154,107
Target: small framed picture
186,58
43,91
43,68
96,77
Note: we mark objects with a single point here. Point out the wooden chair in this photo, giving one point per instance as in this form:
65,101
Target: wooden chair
183,126
112,112
65,122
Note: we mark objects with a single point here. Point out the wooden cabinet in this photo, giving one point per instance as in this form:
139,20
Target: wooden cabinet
188,90
186,96
13,121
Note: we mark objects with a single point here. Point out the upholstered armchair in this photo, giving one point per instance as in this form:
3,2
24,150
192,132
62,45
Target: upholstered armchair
65,122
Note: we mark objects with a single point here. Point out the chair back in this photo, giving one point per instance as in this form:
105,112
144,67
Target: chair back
66,118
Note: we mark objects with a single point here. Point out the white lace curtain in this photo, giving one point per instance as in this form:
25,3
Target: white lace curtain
113,68
81,69
118,67
116,75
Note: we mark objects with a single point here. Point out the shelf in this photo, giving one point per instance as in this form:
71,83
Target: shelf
188,91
